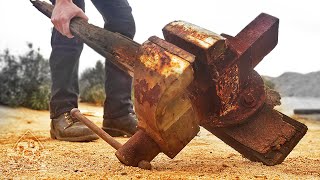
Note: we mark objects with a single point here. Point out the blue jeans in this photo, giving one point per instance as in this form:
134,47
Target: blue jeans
64,64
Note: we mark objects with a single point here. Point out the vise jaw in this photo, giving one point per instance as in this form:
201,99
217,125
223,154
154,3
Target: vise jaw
162,73
229,97
197,77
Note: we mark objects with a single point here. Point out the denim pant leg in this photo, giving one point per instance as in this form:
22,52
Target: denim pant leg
118,18
64,64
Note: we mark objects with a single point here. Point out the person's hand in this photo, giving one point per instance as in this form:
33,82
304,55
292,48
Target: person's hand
63,12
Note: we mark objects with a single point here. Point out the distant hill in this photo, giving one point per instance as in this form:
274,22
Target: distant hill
299,85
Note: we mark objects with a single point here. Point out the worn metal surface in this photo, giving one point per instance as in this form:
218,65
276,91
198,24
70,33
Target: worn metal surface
267,137
257,39
250,45
229,96
223,74
207,46
238,103
133,152
140,147
162,74
161,103
209,81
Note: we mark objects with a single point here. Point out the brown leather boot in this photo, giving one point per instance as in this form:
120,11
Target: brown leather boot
65,128
121,126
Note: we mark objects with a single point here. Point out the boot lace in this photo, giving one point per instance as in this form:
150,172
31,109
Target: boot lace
69,119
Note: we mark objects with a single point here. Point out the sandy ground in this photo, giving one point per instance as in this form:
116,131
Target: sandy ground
205,157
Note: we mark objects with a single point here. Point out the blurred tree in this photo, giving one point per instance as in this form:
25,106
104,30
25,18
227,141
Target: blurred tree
92,84
39,99
36,79
25,81
12,93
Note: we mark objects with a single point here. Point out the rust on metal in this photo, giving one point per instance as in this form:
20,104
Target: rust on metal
240,110
207,46
248,100
101,133
228,89
258,38
140,147
162,73
225,65
267,137
229,97
201,78
145,94
173,49
254,42
195,35
163,62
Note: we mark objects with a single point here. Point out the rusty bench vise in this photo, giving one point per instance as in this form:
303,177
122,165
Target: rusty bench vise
196,78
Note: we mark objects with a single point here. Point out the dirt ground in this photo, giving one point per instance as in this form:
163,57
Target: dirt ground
205,157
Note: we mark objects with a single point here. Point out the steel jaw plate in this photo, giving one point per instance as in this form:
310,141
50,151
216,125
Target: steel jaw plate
162,73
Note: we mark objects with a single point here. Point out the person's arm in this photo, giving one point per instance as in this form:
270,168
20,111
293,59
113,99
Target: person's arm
63,12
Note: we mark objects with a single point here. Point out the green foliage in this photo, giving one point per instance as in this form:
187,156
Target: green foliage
39,100
94,94
24,79
92,84
11,92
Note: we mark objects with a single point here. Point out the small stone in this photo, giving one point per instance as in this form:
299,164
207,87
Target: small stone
260,176
144,165
225,165
123,173
138,176
231,155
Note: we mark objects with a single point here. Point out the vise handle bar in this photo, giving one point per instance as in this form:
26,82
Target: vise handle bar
75,113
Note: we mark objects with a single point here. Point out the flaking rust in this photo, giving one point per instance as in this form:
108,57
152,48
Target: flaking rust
228,88
197,77
162,73
229,97
197,35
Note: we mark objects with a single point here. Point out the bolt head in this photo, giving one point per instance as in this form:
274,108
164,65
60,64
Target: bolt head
248,100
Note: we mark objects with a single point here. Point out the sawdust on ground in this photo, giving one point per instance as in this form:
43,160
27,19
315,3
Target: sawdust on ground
205,157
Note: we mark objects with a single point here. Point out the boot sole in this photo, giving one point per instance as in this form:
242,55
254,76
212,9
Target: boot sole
116,132
86,138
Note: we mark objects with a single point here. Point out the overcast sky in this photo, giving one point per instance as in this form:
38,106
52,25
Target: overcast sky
297,50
